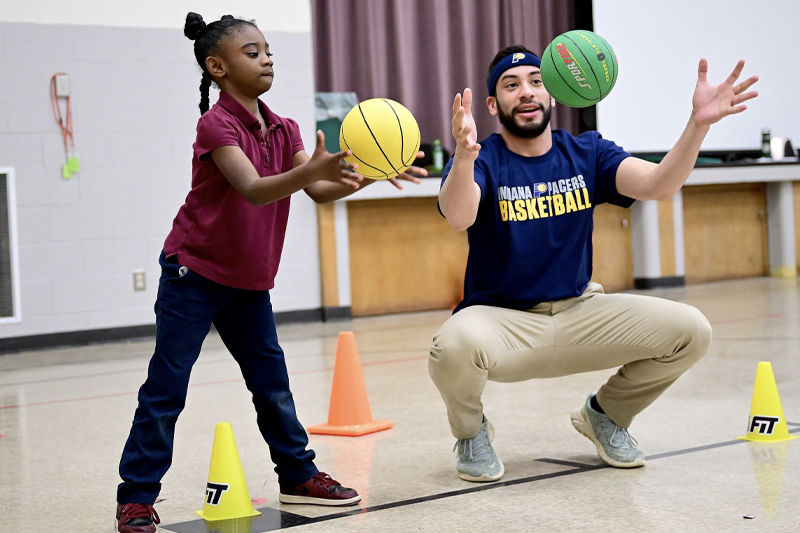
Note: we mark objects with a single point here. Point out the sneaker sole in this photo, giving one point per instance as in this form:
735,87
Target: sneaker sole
583,427
485,478
116,526
308,500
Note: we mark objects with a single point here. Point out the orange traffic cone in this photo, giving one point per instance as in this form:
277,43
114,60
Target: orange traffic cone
349,413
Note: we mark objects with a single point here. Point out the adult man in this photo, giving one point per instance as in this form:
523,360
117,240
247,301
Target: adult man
526,197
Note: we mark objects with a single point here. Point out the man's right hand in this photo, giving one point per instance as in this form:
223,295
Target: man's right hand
464,130
460,196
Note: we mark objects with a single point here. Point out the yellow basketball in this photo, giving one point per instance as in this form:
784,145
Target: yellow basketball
383,136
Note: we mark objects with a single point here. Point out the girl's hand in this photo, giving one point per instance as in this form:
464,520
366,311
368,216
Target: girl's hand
406,176
325,166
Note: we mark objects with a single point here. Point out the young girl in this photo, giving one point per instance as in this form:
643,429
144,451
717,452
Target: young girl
219,263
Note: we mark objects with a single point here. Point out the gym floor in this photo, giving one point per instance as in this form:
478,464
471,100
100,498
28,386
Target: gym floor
65,415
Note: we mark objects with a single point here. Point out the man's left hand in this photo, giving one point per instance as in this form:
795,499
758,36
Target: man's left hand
711,103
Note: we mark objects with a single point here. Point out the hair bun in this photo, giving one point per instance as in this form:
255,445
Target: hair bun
227,17
194,26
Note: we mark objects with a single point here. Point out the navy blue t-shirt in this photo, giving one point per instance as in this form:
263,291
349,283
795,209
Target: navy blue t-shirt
532,239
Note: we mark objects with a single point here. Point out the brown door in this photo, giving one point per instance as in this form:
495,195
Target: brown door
404,256
613,251
725,232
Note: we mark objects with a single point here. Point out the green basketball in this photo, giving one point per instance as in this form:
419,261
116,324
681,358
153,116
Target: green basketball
579,68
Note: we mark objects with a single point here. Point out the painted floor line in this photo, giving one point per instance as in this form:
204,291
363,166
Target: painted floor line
572,464
752,317
201,384
293,520
695,449
759,339
143,368
273,519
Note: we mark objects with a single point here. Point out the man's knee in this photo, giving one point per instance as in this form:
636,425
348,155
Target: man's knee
459,343
695,331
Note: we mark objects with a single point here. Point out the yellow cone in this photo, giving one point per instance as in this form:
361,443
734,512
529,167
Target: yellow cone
766,423
226,493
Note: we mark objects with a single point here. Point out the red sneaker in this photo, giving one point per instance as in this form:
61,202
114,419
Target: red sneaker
136,518
320,490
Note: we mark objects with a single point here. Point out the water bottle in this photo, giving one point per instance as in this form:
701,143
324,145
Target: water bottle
437,156
765,140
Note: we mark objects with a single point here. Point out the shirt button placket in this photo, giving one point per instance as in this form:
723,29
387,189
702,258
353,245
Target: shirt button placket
261,141
269,148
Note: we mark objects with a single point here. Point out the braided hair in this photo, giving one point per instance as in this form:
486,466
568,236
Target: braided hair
207,38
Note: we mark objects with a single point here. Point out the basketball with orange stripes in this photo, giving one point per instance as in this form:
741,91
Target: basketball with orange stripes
579,68
383,136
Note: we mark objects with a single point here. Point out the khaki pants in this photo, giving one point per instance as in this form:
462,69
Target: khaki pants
652,339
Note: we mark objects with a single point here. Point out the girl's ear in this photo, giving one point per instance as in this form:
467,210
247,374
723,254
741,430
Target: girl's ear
215,67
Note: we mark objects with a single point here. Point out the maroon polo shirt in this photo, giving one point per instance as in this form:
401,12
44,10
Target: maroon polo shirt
217,233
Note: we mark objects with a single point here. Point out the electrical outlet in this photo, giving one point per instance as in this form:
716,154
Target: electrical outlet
139,283
62,86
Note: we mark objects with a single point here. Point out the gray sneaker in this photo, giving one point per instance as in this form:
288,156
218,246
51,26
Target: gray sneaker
614,444
476,458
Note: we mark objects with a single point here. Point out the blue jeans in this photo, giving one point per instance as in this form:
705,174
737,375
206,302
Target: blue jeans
186,306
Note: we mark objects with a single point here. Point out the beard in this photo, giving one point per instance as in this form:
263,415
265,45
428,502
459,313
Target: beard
526,131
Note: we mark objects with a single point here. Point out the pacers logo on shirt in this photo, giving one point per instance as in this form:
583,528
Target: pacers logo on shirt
547,199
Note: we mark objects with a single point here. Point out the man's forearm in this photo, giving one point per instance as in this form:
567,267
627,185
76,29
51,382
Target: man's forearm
673,171
460,196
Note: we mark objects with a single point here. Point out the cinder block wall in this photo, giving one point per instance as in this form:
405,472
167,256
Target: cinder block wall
135,93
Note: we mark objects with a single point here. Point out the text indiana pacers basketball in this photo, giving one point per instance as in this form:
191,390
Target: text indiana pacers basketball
546,199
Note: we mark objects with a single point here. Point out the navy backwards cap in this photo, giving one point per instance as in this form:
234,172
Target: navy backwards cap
512,60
